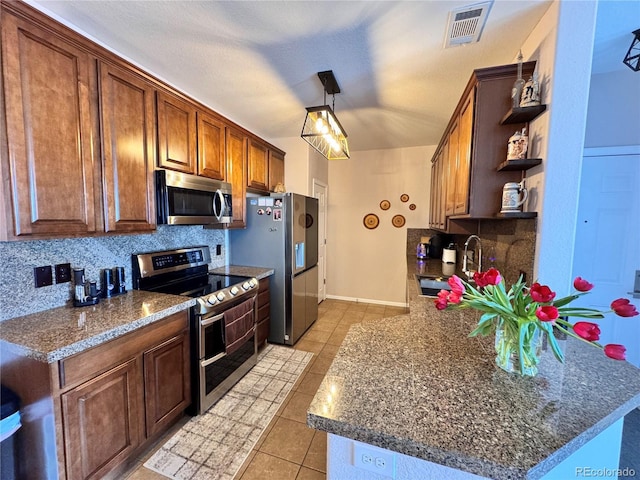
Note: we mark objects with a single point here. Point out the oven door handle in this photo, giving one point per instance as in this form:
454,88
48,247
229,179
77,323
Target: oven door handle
209,361
209,321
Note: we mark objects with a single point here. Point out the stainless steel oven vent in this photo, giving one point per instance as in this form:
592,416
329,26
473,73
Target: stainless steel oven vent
466,24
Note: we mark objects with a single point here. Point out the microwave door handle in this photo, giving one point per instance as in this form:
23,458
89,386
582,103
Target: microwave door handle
218,200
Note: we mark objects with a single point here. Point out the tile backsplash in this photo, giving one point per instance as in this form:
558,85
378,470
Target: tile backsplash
18,295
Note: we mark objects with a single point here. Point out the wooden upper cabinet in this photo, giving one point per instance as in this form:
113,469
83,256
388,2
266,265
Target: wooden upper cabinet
211,139
276,169
176,133
464,157
258,166
236,155
129,146
451,169
49,130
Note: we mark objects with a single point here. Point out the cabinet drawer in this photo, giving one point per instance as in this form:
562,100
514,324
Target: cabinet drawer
264,297
86,365
263,312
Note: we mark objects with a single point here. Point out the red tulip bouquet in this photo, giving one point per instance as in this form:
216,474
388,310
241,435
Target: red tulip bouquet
519,316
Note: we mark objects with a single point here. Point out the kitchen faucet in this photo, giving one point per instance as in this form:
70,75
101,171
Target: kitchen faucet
477,260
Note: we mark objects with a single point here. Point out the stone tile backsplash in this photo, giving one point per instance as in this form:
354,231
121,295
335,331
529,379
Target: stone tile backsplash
18,295
508,245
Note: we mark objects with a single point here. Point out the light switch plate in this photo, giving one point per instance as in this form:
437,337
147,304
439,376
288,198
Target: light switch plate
43,276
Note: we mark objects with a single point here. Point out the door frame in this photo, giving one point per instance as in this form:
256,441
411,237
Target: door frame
322,238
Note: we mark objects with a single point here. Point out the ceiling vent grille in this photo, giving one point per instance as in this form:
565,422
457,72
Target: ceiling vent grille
466,24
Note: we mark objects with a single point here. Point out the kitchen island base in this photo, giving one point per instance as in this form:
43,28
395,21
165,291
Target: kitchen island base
598,458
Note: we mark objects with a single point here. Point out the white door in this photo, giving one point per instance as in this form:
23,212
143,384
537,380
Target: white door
320,192
607,245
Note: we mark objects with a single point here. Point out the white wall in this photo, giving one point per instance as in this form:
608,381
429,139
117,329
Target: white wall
562,43
370,265
301,165
613,117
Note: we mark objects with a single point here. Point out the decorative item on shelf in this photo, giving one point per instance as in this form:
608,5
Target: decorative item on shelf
279,188
520,316
412,206
511,200
398,221
518,85
531,92
632,58
518,145
321,128
385,205
371,221
404,198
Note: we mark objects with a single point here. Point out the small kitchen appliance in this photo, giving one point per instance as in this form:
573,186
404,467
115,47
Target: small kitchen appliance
511,199
222,323
85,293
449,254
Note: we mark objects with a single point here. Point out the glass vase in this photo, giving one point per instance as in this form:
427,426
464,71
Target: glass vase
513,357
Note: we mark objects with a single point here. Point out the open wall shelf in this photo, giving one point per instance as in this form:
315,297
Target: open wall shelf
522,114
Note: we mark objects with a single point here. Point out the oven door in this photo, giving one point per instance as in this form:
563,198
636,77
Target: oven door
184,199
220,366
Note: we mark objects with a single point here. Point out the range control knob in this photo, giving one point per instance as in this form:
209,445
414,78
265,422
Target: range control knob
234,290
211,299
246,286
253,282
220,296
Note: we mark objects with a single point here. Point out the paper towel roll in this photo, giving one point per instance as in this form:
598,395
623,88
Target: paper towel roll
449,255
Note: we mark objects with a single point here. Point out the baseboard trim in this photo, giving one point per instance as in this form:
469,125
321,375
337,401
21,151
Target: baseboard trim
368,300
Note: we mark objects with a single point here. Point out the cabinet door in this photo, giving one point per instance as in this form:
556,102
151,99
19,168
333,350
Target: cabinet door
129,145
463,171
167,384
451,168
276,169
264,311
176,134
210,147
49,123
236,150
102,421
258,172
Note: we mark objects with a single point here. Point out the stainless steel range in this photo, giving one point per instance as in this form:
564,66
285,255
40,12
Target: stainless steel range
223,322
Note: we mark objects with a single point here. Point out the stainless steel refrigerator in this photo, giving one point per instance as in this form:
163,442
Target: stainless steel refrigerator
282,233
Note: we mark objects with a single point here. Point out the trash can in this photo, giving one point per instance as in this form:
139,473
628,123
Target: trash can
9,425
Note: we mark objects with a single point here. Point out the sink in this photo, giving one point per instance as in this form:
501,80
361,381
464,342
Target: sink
430,285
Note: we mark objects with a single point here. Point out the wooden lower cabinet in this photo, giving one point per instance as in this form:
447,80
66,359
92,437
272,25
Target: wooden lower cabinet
102,421
166,382
118,397
264,311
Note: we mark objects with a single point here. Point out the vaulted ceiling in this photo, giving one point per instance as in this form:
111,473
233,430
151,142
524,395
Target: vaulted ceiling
256,62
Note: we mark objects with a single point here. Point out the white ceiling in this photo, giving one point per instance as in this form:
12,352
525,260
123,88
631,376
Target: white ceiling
255,62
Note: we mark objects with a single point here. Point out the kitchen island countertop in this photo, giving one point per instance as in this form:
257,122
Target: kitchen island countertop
57,333
418,385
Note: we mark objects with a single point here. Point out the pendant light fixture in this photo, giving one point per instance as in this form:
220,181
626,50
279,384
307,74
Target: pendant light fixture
321,128
632,58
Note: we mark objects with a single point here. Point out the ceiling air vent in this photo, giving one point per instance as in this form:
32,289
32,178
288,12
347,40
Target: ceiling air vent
466,24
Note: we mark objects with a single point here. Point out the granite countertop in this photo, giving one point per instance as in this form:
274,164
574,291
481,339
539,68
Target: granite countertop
418,385
243,271
57,333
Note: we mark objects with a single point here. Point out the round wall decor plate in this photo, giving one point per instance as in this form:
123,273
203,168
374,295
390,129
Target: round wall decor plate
412,206
371,221
404,198
398,221
385,204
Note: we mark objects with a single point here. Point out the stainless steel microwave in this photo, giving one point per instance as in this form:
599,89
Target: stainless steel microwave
183,199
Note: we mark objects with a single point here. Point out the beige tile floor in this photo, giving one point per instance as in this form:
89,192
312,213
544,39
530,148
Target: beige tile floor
275,456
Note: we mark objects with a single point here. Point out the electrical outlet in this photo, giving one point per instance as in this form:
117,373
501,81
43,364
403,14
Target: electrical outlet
374,459
218,249
43,276
63,272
